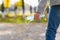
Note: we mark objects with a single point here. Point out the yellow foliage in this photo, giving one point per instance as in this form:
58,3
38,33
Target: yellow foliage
6,3
19,14
19,4
10,15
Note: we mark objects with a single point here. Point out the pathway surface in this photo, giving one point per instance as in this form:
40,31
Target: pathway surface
30,31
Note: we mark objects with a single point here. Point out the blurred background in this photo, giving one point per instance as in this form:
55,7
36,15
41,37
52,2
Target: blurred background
17,20
18,11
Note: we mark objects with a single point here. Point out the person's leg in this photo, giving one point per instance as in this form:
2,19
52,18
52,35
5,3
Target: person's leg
52,24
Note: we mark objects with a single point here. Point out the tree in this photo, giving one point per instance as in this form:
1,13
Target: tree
23,9
2,9
30,9
23,6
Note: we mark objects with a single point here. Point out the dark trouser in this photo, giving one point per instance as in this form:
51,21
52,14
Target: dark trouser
53,23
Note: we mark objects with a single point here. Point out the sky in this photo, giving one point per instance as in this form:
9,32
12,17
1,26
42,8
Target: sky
0,1
32,3
13,1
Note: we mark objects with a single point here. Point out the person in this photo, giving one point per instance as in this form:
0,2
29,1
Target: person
54,17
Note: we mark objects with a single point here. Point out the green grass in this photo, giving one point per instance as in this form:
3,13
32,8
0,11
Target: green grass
18,20
12,20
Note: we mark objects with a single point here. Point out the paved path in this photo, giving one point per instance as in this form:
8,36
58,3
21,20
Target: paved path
24,32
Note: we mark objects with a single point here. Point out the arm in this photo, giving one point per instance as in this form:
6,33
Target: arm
41,6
